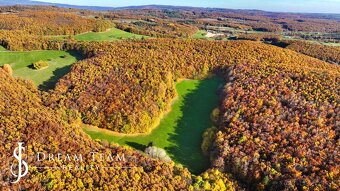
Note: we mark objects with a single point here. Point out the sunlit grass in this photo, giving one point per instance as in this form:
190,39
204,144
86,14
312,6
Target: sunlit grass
59,64
180,131
110,35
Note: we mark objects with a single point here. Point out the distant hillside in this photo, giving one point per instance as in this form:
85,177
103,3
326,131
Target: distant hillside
21,2
28,2
161,7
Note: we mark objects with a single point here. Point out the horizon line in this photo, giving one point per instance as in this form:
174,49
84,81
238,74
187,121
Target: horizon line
174,6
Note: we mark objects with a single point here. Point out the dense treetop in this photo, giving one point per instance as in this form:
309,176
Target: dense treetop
50,22
273,94
277,126
326,53
24,118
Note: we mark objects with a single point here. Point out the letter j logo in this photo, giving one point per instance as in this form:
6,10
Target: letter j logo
22,169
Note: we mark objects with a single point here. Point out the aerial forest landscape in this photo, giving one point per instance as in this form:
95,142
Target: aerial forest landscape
170,95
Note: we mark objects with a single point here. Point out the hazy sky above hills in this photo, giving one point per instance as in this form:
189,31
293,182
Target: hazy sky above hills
318,6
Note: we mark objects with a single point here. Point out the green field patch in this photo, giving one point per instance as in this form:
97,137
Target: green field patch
2,48
200,34
331,44
110,35
180,131
59,64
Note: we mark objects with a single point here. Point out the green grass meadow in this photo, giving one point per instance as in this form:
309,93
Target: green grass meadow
110,35
200,34
180,131
331,44
2,48
59,64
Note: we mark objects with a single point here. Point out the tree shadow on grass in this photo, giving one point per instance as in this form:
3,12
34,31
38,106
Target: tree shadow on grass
59,73
137,146
76,54
197,107
52,81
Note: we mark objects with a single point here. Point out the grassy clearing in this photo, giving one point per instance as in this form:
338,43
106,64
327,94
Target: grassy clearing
331,44
110,35
21,62
200,34
2,48
180,131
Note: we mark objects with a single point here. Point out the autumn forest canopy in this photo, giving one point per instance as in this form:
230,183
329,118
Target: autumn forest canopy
275,125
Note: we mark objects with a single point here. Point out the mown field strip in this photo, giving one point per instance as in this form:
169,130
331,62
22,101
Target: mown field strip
59,64
180,131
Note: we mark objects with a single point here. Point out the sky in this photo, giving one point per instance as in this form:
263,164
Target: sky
305,6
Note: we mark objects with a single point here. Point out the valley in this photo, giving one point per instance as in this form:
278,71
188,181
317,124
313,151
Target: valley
187,120
189,98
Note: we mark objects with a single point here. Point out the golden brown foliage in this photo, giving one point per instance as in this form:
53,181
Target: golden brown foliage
20,40
213,179
23,118
41,22
7,68
40,65
326,53
260,37
279,130
158,28
275,97
278,126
